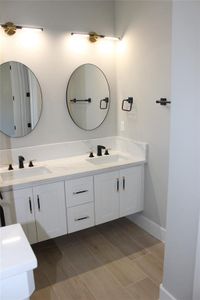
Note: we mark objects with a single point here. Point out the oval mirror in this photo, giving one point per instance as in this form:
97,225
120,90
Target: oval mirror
88,97
20,99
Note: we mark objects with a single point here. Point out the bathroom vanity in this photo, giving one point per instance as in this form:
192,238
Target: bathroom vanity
65,190
64,195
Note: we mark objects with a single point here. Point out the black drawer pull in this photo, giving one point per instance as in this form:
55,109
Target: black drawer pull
83,218
80,192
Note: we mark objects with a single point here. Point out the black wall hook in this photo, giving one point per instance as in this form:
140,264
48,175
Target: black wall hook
163,101
129,101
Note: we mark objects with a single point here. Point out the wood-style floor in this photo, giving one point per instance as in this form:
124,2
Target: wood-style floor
113,261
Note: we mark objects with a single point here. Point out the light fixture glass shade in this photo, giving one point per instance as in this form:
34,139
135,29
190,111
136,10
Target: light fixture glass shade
32,28
80,34
113,38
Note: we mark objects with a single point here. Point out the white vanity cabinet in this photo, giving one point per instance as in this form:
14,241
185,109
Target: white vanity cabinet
118,194
49,210
80,203
41,210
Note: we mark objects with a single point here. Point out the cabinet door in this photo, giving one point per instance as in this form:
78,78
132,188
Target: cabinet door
50,210
131,190
24,207
8,206
106,188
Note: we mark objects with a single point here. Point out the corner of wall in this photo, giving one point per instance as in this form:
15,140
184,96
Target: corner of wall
148,225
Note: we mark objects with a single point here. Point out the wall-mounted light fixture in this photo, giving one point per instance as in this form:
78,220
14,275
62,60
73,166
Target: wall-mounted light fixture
93,36
10,28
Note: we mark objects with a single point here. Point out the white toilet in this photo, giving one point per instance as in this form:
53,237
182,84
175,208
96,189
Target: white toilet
17,262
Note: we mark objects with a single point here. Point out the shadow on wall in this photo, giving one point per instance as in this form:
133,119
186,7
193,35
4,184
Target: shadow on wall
5,142
152,205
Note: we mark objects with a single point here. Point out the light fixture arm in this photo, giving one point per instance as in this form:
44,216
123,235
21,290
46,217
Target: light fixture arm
10,28
93,36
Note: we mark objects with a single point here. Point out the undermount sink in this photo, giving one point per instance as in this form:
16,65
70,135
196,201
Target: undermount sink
23,173
107,159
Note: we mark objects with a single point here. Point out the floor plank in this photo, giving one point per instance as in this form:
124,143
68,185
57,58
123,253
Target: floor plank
81,258
158,251
119,238
151,266
113,261
129,227
146,240
126,271
72,289
102,249
144,290
103,285
45,294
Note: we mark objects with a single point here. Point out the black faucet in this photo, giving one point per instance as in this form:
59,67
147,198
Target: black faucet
21,162
99,150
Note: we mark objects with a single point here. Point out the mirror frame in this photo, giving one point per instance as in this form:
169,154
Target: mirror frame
108,97
39,117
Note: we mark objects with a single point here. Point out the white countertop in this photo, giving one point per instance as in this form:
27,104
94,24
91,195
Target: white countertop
16,255
70,167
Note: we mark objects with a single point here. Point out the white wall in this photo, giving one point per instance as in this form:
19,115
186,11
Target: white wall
196,285
53,56
143,72
184,179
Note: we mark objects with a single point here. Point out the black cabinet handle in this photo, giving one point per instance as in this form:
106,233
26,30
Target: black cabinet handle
80,192
124,182
80,219
117,184
30,205
38,202
1,196
2,217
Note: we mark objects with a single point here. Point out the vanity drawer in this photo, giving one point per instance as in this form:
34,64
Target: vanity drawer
80,217
79,191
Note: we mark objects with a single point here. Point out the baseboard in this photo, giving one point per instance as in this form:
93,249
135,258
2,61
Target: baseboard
165,295
151,227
